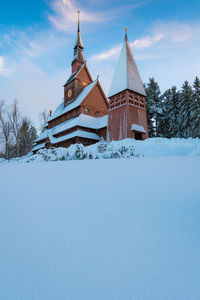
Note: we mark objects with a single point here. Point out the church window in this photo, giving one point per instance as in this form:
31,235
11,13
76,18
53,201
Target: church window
96,113
87,110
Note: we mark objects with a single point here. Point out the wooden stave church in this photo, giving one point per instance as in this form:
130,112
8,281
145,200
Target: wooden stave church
85,116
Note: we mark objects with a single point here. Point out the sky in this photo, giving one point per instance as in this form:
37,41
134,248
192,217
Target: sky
37,39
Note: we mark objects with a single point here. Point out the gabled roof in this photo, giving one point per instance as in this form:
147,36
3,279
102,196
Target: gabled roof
126,75
77,133
39,146
82,120
73,76
62,109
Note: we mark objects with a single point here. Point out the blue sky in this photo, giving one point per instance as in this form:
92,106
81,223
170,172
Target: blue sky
37,37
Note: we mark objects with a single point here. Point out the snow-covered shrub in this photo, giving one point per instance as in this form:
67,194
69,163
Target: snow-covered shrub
123,150
102,145
115,154
132,150
80,152
90,156
119,149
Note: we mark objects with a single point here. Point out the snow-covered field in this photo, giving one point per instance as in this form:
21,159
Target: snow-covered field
101,229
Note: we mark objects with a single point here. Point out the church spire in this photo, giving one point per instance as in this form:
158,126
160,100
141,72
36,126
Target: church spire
78,47
126,74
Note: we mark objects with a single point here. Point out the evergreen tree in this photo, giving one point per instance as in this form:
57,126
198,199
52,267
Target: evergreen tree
165,121
173,105
27,135
154,106
185,117
196,108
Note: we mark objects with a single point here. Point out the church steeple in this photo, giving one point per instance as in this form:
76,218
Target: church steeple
127,117
126,74
78,59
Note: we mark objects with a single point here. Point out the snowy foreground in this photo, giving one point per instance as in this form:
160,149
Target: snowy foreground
101,229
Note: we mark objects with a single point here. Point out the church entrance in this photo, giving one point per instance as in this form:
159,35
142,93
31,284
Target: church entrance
138,135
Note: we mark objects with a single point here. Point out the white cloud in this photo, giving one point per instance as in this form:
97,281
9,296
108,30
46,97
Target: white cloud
3,70
33,44
107,54
147,41
34,88
172,33
177,32
142,43
65,15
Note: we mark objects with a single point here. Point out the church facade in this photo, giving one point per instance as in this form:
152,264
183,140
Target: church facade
85,115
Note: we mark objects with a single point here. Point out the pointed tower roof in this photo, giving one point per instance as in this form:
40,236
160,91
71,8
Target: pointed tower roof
126,75
78,47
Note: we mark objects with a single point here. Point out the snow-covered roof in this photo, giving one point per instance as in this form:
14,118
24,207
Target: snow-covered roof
77,133
126,75
137,127
42,136
82,120
62,109
39,146
74,75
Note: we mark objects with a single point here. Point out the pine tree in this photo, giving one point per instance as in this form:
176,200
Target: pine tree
173,105
196,108
27,135
165,121
154,106
185,117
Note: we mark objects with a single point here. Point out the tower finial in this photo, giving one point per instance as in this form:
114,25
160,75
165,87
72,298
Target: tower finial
126,35
78,11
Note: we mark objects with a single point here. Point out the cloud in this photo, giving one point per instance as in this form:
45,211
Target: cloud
177,32
3,70
173,33
142,43
33,44
34,88
65,15
147,41
107,54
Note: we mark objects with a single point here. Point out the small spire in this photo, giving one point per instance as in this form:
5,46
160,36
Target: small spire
78,47
126,35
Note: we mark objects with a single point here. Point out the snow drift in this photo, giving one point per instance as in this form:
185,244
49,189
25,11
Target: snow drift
154,147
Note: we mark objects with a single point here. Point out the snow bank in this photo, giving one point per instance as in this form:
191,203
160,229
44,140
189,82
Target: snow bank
154,147
123,229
